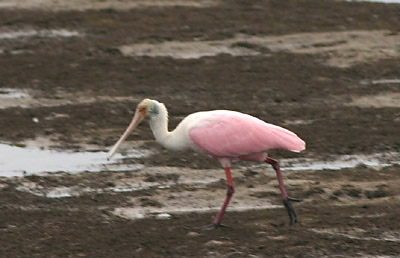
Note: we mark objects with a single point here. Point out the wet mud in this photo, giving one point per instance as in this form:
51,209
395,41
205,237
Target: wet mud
72,74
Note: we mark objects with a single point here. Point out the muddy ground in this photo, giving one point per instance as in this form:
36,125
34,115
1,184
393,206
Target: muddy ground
328,70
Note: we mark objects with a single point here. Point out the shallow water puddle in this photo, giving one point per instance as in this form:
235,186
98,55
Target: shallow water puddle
18,161
377,160
31,33
26,98
9,93
63,33
162,177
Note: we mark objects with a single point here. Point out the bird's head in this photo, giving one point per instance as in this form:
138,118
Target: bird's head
146,109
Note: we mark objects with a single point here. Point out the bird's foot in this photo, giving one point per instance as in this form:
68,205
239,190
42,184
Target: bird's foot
289,208
215,226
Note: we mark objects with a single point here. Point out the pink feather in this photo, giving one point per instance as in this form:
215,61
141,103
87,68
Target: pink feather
228,134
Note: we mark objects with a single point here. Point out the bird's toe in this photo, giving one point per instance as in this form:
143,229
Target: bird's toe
294,199
290,210
214,226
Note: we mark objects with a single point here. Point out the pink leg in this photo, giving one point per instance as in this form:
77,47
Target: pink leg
229,193
287,201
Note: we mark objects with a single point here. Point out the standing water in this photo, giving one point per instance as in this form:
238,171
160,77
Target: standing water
19,161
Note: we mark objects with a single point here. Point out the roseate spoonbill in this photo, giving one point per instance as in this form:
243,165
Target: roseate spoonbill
223,134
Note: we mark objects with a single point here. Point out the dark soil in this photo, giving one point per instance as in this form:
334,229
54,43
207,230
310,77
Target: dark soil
340,218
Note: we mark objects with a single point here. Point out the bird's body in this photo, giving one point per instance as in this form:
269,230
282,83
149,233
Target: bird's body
223,134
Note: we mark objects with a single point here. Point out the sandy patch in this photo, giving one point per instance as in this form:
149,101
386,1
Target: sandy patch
186,50
345,49
383,100
386,81
339,49
195,201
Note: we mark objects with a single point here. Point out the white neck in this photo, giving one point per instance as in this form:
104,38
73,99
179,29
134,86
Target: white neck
159,125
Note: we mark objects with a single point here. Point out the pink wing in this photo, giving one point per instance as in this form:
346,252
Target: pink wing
233,134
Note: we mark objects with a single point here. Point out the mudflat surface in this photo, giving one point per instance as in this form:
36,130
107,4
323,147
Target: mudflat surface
72,74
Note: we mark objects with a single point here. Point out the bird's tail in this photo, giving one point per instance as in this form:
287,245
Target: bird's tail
288,140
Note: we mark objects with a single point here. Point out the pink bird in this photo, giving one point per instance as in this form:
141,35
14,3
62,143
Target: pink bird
223,134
